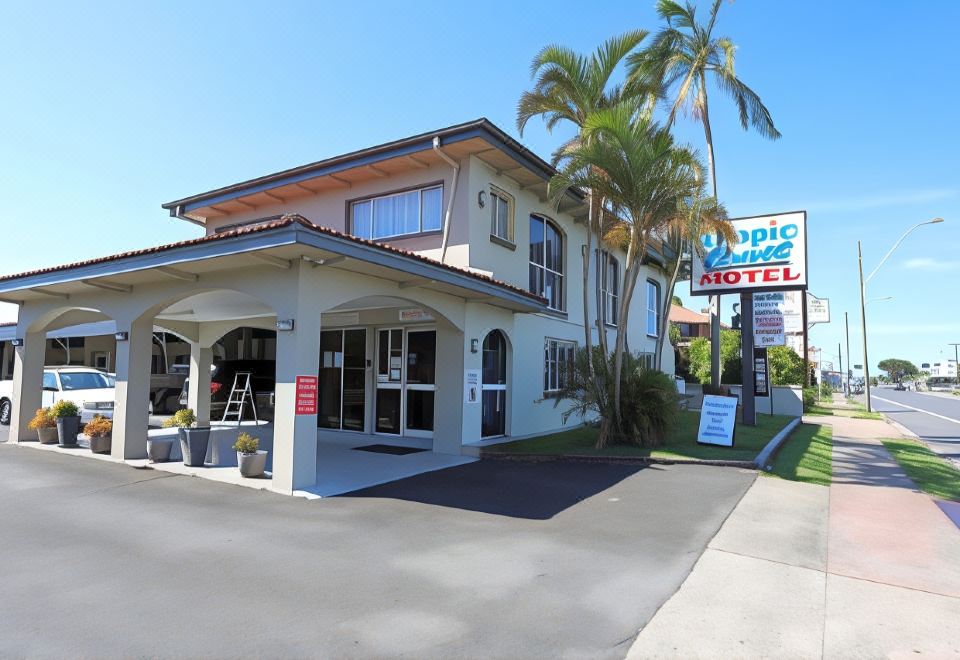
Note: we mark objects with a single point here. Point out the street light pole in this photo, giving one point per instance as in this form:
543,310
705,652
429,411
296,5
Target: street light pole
846,324
956,365
863,298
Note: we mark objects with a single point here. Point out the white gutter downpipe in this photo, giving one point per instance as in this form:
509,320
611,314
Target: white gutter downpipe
453,193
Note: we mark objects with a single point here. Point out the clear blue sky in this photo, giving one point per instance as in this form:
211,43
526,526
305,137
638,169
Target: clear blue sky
110,109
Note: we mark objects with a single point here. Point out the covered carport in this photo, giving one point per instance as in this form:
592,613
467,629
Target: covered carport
282,273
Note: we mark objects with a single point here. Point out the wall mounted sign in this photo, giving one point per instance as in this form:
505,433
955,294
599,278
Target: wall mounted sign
471,386
768,321
717,417
306,395
415,315
770,255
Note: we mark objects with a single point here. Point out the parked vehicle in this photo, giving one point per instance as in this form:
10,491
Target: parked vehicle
263,383
91,389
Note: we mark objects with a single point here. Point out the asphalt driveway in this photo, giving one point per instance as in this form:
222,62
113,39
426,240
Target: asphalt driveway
491,559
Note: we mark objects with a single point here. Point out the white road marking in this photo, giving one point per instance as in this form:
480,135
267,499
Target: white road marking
932,414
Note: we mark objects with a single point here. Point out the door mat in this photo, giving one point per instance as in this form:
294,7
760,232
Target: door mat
390,449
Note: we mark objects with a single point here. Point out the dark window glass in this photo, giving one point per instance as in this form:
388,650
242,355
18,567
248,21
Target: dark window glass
388,411
420,410
494,359
421,357
494,413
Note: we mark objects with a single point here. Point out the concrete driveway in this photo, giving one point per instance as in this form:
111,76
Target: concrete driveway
491,559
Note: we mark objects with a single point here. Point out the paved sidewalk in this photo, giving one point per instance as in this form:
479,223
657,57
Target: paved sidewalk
867,568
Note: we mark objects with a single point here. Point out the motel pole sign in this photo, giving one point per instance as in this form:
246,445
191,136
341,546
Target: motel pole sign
769,256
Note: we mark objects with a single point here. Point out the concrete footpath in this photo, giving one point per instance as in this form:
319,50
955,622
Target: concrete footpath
868,568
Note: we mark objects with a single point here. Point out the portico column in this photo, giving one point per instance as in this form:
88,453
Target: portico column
295,436
27,384
132,393
198,389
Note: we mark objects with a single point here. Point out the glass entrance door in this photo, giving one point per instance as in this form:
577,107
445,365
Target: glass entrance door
343,355
406,381
494,386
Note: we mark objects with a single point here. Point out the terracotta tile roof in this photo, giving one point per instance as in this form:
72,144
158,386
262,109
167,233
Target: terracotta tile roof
680,314
282,221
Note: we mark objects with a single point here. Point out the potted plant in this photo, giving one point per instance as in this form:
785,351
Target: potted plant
100,432
45,425
193,439
67,415
250,458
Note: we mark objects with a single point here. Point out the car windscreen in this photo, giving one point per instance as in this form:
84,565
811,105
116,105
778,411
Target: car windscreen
83,380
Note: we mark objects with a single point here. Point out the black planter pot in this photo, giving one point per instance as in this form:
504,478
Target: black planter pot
67,430
193,445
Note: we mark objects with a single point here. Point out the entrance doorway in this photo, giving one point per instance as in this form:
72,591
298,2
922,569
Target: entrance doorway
406,381
494,387
343,356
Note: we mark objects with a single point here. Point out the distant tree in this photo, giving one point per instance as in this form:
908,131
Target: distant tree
699,355
786,367
676,301
895,367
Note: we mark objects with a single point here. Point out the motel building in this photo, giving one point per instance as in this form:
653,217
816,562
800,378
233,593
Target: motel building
428,284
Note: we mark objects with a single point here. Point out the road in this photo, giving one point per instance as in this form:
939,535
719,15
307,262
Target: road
933,417
491,559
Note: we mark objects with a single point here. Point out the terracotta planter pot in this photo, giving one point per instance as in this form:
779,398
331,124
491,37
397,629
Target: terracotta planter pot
48,435
193,445
101,444
252,465
68,428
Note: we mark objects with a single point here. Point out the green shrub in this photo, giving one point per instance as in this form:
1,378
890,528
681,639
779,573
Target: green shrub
64,408
826,391
809,398
699,356
246,444
182,419
649,401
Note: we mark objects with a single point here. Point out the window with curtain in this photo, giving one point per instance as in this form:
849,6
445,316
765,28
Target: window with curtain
653,308
546,261
608,288
557,363
399,214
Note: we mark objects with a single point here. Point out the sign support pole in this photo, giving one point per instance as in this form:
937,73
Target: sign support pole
806,336
747,398
715,367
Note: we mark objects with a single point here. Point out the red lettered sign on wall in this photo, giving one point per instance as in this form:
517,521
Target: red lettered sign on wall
306,403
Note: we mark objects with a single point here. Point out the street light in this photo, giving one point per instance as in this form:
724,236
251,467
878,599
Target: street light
863,298
873,300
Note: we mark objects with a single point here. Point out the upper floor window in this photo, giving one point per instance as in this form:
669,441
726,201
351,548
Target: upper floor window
653,308
501,215
546,261
398,214
608,288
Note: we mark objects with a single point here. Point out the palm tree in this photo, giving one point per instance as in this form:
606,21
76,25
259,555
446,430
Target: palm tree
696,217
634,165
567,88
678,62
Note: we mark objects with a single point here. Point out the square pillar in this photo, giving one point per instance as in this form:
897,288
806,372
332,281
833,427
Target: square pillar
198,389
27,384
132,393
295,436
448,406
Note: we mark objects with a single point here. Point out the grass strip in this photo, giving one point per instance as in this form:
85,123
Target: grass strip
682,443
932,474
806,456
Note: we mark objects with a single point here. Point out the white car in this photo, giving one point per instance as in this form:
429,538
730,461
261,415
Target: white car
91,389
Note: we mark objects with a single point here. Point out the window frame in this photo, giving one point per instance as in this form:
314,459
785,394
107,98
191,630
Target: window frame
656,308
604,293
496,193
420,188
561,275
550,376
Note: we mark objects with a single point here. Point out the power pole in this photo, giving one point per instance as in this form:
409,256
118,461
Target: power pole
846,323
840,355
956,364
863,321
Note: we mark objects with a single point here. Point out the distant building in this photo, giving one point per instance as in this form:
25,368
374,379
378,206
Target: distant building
692,324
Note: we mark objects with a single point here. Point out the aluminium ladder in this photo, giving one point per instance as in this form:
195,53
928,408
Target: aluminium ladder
240,397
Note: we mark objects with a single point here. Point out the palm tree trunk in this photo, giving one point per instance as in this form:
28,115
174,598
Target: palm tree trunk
587,327
665,318
714,300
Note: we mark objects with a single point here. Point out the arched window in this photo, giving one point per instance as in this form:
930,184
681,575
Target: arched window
546,261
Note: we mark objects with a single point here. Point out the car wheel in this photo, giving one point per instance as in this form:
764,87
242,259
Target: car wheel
6,409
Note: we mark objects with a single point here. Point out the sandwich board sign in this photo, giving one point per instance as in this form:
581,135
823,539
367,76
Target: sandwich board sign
717,417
